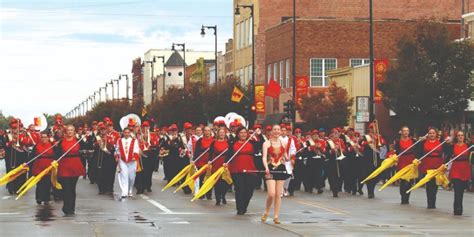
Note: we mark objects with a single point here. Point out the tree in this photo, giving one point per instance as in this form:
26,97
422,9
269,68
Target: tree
328,109
199,103
432,80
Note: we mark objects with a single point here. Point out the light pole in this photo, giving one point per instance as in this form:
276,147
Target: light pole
252,90
371,69
118,87
112,84
151,62
294,64
203,33
127,86
183,45
164,75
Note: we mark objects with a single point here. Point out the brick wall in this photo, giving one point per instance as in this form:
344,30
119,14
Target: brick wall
270,13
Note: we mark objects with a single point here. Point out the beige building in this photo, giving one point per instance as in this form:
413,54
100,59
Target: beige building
242,43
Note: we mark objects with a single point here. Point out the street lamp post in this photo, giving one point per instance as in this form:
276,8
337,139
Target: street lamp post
112,84
127,86
203,33
371,69
183,45
252,97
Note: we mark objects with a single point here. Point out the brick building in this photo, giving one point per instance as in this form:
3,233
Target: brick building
268,13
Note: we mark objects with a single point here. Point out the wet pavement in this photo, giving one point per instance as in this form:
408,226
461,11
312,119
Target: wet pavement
168,214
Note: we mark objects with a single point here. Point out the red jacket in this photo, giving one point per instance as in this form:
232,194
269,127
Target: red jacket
461,167
44,160
70,165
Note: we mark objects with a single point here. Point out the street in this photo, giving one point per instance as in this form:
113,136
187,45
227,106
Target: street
167,214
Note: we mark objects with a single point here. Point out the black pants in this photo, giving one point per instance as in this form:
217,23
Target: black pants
350,174
143,179
334,173
431,191
220,189
106,174
244,186
13,159
43,189
92,167
404,186
459,186
69,194
298,175
314,174
201,182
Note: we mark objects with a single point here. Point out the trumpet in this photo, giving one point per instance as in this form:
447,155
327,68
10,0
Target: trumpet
377,133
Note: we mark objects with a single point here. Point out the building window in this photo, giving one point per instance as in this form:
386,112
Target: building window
359,61
244,33
269,72
287,72
282,78
250,30
275,72
318,68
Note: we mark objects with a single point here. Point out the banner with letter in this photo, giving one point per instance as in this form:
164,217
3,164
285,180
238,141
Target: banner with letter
260,99
380,72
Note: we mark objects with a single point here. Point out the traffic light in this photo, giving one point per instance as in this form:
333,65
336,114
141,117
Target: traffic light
246,111
288,108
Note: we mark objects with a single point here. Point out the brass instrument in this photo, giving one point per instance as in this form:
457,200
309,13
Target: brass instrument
377,133
354,145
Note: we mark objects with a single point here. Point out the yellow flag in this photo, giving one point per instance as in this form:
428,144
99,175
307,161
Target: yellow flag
237,95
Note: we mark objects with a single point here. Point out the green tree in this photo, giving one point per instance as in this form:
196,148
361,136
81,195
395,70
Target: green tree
326,109
431,82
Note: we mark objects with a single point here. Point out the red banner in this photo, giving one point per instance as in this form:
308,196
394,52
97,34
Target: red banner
260,99
273,89
302,84
380,72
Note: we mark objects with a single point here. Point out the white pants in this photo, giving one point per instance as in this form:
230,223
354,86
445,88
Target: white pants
126,177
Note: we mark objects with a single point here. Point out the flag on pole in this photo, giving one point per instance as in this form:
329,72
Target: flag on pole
236,95
273,89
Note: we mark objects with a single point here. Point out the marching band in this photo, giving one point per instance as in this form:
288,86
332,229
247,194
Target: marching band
277,157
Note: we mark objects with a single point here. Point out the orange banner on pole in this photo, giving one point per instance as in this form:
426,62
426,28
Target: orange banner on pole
260,99
380,72
302,83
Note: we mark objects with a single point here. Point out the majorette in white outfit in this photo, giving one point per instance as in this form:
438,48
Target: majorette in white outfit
127,151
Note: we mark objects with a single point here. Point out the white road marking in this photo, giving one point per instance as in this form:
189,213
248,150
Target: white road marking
6,197
8,213
179,222
157,204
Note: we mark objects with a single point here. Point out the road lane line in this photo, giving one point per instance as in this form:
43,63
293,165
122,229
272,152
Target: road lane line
156,204
6,197
8,213
336,211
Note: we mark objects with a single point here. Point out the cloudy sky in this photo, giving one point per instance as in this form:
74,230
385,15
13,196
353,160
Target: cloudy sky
55,53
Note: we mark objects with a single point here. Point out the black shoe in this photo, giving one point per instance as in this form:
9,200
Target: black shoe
240,213
371,196
123,197
334,194
218,203
101,192
11,192
38,202
292,194
139,192
458,212
405,202
70,214
360,192
224,201
148,190
431,207
46,203
320,191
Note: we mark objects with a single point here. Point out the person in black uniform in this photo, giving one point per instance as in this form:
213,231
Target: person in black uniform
106,164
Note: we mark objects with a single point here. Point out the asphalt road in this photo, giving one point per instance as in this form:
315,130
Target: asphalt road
168,214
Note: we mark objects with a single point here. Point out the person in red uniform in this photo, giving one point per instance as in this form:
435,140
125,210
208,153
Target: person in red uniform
460,172
244,182
433,161
106,164
43,188
407,158
148,143
337,148
219,146
274,157
201,146
70,168
16,153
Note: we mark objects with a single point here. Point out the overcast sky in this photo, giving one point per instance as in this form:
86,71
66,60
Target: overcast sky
55,53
